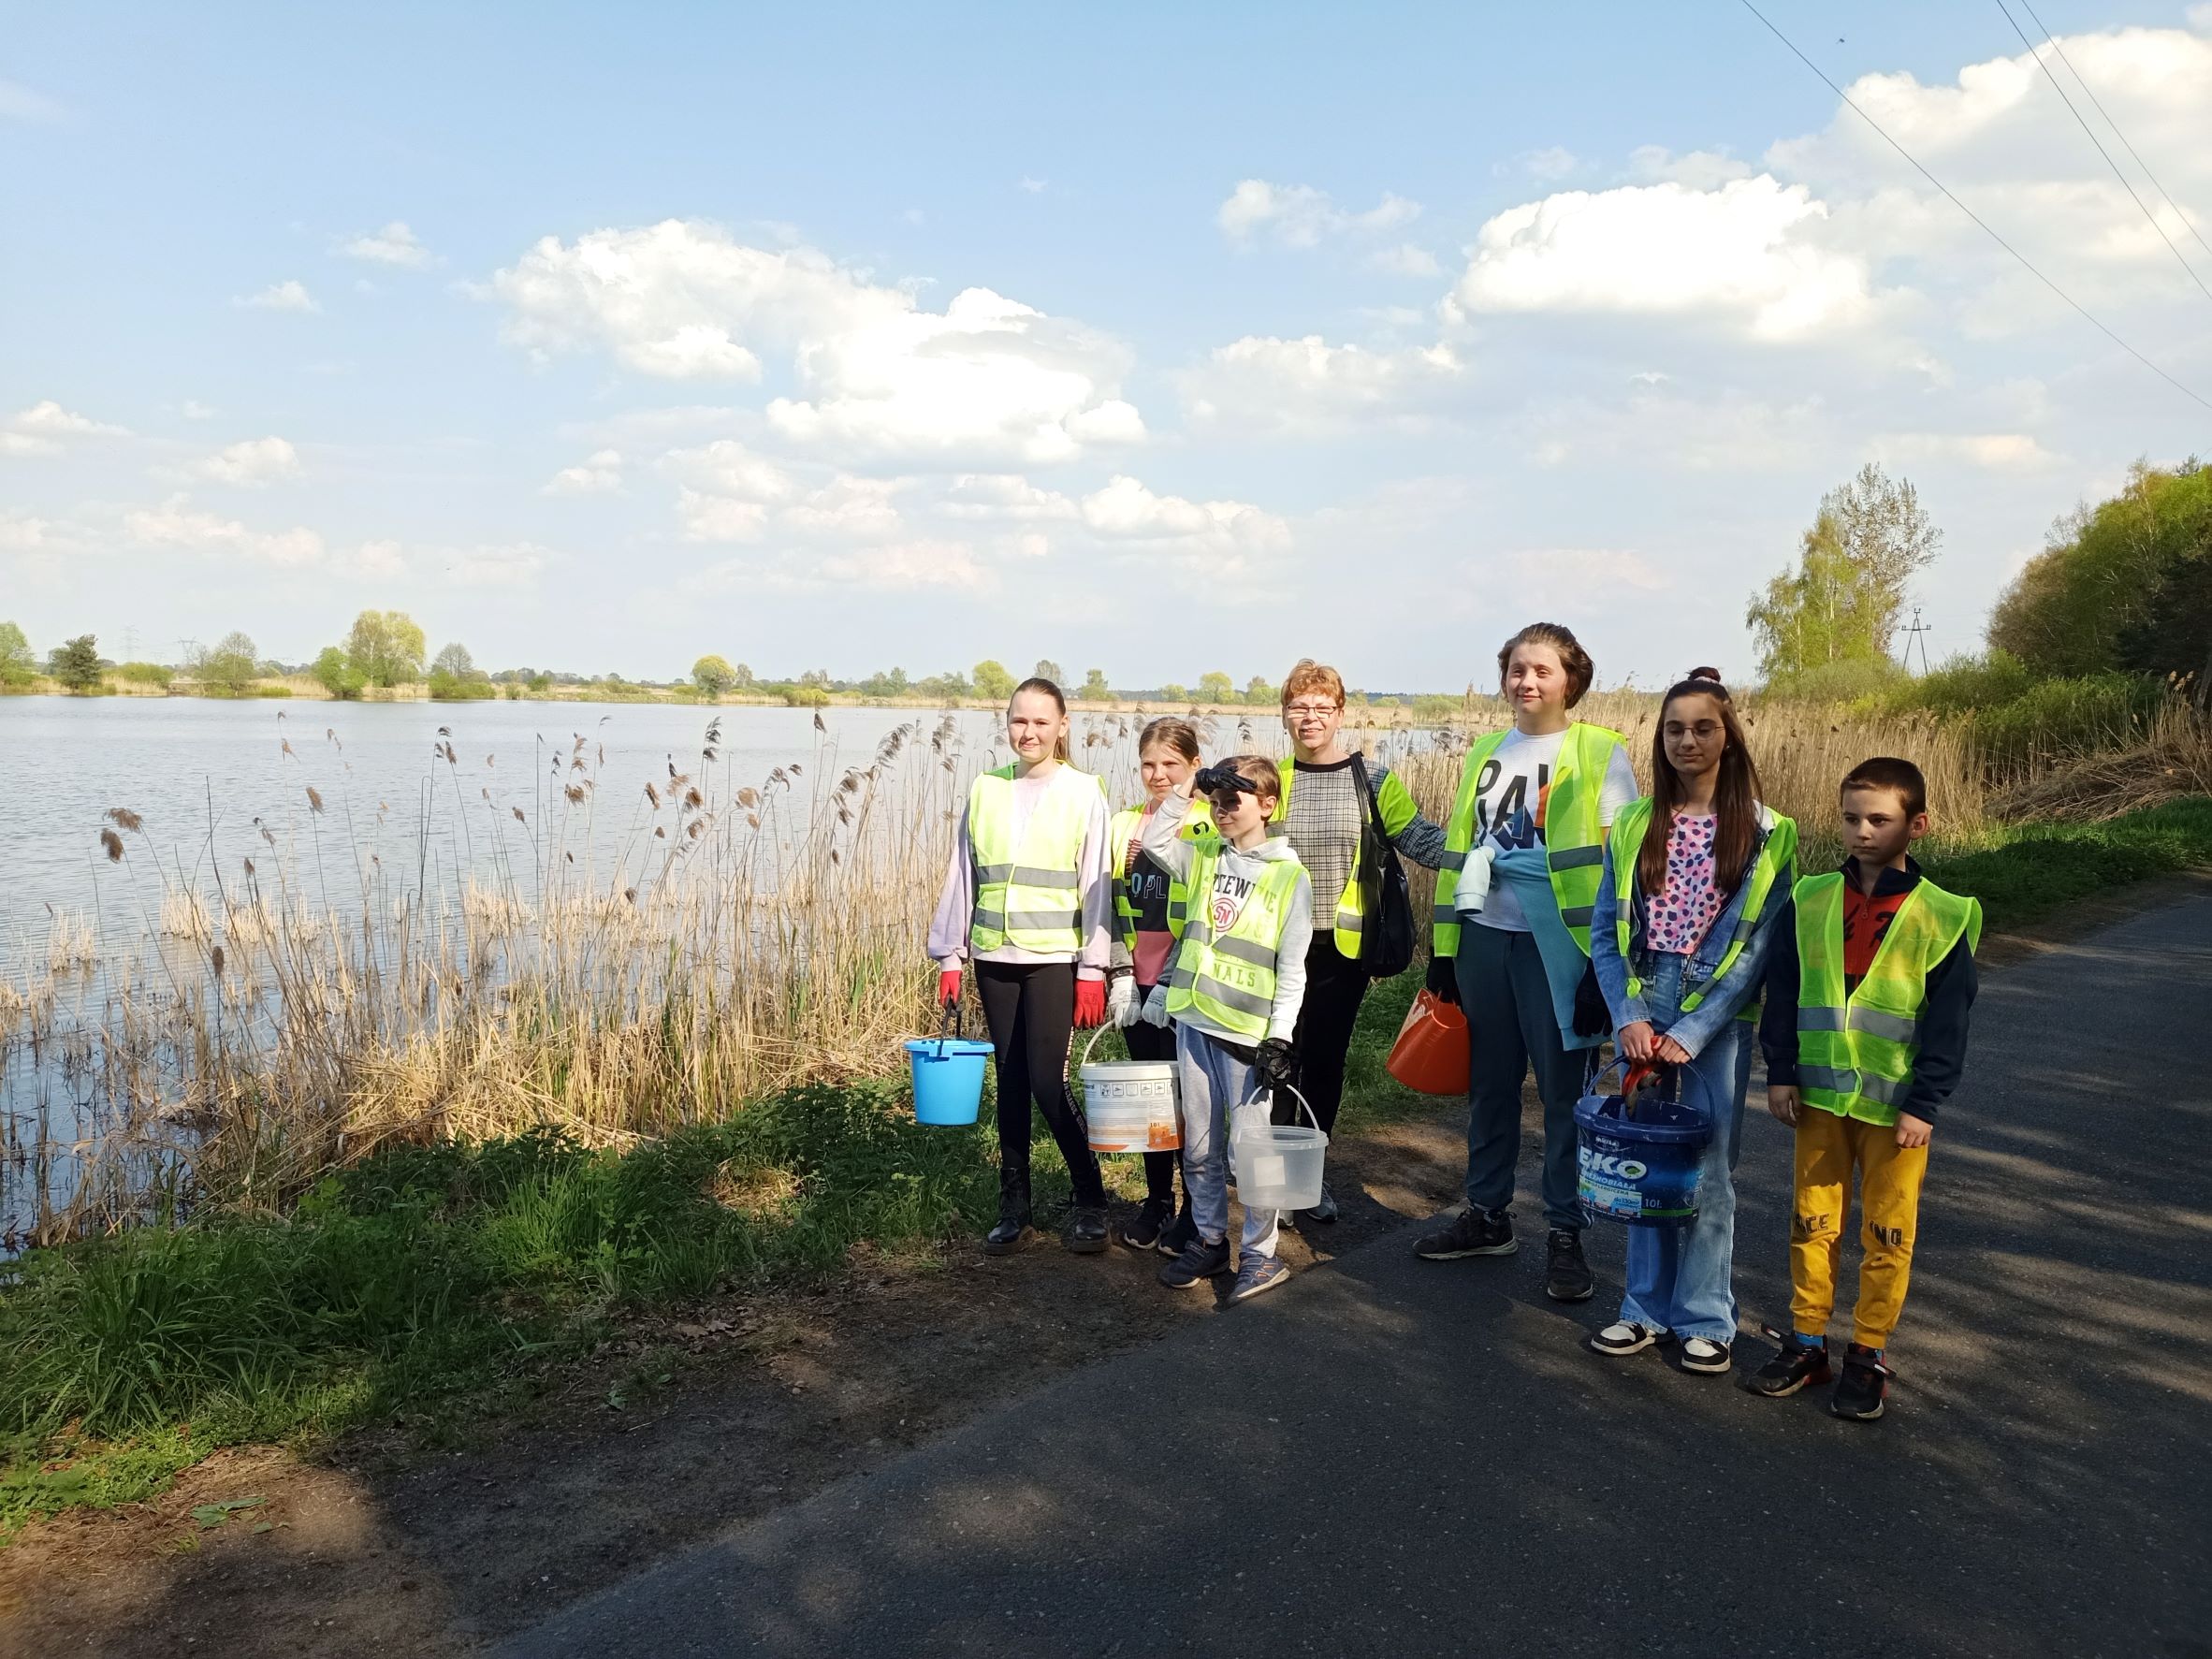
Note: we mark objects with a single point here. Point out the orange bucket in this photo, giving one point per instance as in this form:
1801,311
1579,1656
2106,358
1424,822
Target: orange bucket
1431,1056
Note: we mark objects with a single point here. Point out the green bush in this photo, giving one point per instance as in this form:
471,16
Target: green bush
2065,717
145,673
454,688
1853,681
1964,684
269,691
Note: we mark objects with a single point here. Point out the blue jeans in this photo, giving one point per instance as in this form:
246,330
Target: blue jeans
1512,1027
1212,1083
1681,1278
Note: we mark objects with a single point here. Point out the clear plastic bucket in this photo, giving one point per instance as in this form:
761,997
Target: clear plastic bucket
1278,1166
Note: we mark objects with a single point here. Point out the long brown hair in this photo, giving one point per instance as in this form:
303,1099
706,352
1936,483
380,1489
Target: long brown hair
1735,795
1035,684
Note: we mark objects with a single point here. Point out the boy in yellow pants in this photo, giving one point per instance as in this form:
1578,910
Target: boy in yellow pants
1864,1037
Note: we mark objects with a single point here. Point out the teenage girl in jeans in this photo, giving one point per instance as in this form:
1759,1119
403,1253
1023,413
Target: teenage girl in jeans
1529,817
1150,908
1028,897
1695,876
1324,815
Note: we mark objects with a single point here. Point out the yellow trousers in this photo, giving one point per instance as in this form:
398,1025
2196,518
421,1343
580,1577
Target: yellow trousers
1831,1152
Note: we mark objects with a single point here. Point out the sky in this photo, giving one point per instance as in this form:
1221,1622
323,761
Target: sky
1160,339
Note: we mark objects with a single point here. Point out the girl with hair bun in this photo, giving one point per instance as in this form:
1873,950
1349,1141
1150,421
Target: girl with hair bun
1695,874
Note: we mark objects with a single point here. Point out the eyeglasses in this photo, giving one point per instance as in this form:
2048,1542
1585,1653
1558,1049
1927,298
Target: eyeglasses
1310,711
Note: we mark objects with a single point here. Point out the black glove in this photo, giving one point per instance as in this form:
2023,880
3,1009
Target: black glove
1591,1017
1444,979
1274,1065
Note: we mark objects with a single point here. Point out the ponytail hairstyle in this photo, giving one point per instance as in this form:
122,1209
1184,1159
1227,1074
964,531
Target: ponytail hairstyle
1046,688
1580,671
1735,795
1174,732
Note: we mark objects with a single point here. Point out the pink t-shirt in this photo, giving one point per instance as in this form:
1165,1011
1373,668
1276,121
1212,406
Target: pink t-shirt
1688,901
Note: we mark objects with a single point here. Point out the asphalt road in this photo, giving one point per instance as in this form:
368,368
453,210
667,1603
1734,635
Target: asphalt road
1398,1457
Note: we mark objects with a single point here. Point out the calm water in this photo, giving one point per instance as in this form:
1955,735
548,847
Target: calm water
208,778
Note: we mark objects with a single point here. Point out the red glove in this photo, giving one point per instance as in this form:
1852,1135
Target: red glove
948,987
1090,1004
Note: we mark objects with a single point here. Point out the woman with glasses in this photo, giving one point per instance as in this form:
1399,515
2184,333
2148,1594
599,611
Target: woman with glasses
1324,813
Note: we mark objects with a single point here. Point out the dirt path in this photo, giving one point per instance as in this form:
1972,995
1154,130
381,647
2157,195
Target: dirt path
391,1548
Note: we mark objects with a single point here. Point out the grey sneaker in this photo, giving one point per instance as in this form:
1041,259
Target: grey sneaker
1255,1275
1470,1233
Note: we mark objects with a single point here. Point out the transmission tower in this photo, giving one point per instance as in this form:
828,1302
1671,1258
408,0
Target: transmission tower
1915,634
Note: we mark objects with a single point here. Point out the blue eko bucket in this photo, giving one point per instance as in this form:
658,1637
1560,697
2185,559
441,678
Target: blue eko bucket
1639,1164
948,1076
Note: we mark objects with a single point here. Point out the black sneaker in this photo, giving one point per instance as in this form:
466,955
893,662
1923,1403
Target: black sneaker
1085,1233
1197,1262
1622,1338
1863,1386
1324,1212
1176,1236
1471,1232
1798,1365
1567,1276
1143,1230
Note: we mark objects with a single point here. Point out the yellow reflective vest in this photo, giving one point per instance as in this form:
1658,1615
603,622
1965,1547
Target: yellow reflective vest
1574,833
1029,895
1229,978
1856,1050
1626,839
1198,825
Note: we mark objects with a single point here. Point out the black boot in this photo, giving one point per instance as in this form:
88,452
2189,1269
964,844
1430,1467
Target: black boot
1013,1231
1086,1232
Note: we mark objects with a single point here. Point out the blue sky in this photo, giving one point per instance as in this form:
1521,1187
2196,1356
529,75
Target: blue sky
1162,339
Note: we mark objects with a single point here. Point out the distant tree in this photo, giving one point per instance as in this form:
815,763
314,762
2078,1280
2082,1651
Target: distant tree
540,684
230,668
948,687
893,684
1259,694
76,664
1174,694
17,663
713,675
1095,689
1842,601
455,660
1048,669
991,681
1217,688
386,647
335,672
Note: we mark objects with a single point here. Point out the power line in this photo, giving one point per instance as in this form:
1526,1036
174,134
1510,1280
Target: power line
2115,126
1947,190
2044,63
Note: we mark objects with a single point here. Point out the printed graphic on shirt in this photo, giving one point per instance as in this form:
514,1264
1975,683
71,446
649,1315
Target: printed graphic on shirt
1502,811
1147,886
1227,903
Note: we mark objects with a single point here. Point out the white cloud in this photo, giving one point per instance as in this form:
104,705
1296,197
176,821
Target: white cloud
1561,577
1301,216
1747,253
847,508
45,428
383,559
1126,510
1996,452
253,464
1032,187
1700,169
516,564
905,566
18,102
878,375
599,474
284,296
1002,496
21,533
395,244
193,409
719,518
1551,162
1260,383
177,524
1405,260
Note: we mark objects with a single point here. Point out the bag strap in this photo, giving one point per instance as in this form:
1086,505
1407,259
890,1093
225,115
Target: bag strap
1375,819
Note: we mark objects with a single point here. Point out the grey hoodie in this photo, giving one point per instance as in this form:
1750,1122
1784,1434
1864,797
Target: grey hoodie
1235,867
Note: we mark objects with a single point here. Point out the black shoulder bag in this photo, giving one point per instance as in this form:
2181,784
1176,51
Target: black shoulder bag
1386,921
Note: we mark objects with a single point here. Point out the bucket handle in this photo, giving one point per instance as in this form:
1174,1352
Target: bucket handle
1259,1090
948,1026
1637,1074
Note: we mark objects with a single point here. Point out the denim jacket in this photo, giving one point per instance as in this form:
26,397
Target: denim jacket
1694,1029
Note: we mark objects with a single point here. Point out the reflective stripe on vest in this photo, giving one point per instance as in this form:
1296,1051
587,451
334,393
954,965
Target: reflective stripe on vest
1856,1051
1627,839
1198,825
1574,837
1028,895
1229,981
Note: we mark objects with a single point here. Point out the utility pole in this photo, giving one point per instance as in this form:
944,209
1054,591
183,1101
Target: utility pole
1916,635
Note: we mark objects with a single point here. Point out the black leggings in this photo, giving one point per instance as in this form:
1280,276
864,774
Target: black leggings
1335,987
1155,1042
1031,1007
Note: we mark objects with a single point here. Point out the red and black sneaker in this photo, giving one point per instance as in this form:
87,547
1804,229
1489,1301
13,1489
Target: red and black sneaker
1863,1386
1798,1365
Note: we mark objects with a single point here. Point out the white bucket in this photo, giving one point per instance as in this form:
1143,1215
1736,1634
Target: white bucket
1129,1105
1278,1166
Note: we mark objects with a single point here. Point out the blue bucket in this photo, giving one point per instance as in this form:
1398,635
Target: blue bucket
1639,1159
948,1074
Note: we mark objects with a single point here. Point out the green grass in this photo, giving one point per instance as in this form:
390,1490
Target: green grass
2031,869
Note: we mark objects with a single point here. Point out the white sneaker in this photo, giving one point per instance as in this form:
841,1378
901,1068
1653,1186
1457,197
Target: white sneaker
1702,1353
1622,1337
